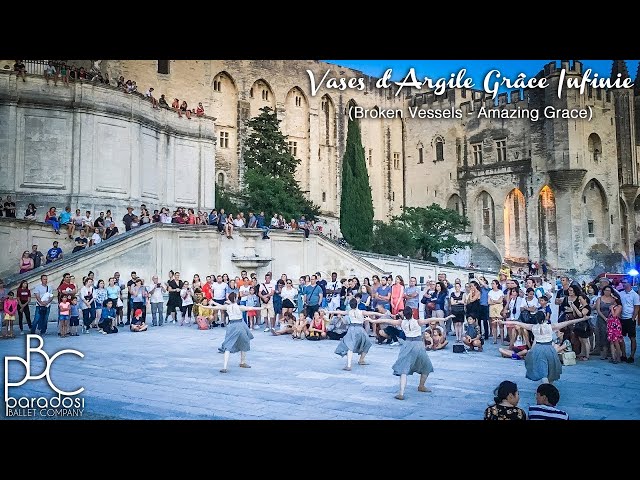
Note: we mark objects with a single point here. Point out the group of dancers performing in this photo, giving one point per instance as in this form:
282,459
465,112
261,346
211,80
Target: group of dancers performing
542,362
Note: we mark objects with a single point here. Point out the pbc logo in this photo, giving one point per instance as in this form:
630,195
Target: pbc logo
24,402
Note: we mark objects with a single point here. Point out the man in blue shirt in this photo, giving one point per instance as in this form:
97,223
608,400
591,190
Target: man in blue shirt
108,317
384,294
54,253
323,285
65,219
260,224
313,296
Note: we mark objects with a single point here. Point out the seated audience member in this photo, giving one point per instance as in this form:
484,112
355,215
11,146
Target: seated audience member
108,318
505,405
316,329
547,397
519,345
30,214
175,105
110,231
20,70
337,327
81,242
162,102
544,307
200,110
300,327
435,334
287,325
149,95
137,323
96,238
54,253
185,109
562,343
472,337
52,218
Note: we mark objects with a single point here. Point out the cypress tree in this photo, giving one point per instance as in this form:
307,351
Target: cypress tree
356,204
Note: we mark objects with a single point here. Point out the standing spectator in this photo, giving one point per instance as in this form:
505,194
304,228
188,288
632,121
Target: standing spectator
200,110
24,297
411,294
30,213
88,302
101,298
44,297
81,242
397,296
9,208
156,299
36,256
547,397
505,405
163,102
628,318
149,95
185,109
139,295
96,238
64,74
51,71
26,262
52,219
20,69
54,253
128,219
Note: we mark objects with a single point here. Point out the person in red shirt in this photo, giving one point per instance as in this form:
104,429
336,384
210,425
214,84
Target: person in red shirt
24,296
67,287
206,288
200,110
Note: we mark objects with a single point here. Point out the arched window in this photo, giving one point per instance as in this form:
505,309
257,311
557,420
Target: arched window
221,179
595,147
439,147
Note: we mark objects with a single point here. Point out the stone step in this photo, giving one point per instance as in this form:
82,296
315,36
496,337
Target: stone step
484,258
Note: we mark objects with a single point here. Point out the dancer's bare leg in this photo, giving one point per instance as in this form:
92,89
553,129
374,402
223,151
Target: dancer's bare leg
226,361
243,360
423,379
403,384
349,358
361,360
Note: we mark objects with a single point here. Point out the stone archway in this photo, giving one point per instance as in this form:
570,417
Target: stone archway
548,225
486,216
456,203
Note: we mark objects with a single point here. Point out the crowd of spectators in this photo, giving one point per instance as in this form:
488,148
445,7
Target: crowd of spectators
61,71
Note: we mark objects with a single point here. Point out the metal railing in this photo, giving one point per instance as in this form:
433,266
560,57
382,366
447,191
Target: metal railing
37,67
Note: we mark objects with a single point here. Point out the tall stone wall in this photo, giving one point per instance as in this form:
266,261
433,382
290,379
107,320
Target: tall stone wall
96,148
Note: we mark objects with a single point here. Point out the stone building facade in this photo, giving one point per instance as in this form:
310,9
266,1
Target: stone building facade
545,189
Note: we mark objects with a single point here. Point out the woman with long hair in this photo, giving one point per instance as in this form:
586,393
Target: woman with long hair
457,308
397,296
26,262
505,406
288,294
23,295
101,298
496,303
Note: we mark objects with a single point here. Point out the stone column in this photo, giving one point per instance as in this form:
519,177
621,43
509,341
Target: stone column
566,184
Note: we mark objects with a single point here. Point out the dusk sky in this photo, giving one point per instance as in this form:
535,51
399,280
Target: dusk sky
476,69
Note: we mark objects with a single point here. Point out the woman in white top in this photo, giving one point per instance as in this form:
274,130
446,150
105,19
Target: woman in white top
356,340
238,336
513,308
413,357
288,294
542,360
186,294
496,303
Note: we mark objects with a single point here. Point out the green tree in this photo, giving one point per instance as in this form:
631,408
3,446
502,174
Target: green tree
356,205
223,200
270,177
434,228
276,195
266,150
392,239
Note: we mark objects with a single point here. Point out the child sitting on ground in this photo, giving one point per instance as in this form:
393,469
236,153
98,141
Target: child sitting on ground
472,337
137,324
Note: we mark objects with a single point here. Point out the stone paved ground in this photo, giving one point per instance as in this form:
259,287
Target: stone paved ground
173,373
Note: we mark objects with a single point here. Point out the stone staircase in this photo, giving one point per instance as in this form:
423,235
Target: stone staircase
484,258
